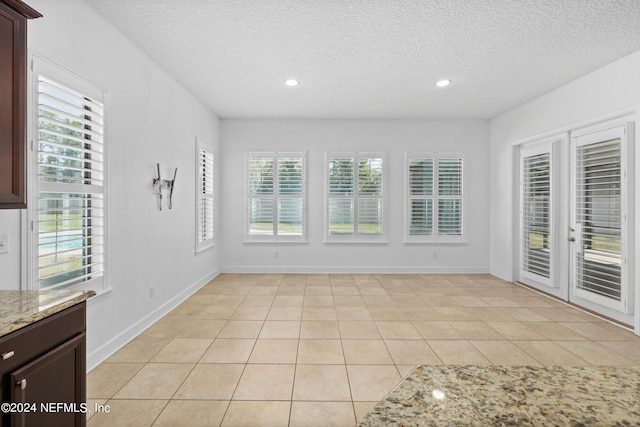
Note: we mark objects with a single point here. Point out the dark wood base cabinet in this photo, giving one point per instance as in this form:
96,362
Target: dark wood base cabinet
43,372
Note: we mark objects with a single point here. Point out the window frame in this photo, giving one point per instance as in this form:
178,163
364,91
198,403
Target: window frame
207,242
97,281
434,237
356,238
276,197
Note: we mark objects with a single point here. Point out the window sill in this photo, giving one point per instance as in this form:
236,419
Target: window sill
436,243
356,243
100,295
204,247
275,242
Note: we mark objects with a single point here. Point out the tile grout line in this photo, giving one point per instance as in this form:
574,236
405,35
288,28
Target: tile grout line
390,290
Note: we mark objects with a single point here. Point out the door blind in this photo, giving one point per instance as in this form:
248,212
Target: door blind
536,214
599,216
71,176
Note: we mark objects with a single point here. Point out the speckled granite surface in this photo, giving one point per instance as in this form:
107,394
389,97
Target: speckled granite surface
512,396
22,308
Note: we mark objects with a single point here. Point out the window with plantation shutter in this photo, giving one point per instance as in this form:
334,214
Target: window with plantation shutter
68,221
536,214
434,198
276,197
355,197
204,197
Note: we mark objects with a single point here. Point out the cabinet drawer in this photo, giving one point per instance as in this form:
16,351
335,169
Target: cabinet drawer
56,377
34,340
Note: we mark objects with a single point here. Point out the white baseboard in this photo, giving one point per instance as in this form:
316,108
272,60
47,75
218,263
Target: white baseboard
504,275
355,269
106,350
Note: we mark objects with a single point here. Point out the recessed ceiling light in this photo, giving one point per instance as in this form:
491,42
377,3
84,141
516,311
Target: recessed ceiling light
291,82
443,83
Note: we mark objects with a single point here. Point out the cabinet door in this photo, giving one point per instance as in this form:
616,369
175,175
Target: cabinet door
54,380
13,107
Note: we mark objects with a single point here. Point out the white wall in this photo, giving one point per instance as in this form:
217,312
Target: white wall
10,272
317,136
151,118
605,92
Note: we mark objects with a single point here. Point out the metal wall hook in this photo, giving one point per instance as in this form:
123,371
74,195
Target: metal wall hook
159,184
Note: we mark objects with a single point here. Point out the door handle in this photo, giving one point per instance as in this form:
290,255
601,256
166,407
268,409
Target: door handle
571,239
22,384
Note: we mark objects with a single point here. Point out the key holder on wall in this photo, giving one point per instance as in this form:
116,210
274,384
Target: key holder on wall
159,184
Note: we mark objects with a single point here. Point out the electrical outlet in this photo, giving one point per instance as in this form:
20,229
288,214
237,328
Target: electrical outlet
276,254
4,243
152,291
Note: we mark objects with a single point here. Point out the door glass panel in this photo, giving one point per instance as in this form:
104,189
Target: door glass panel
536,209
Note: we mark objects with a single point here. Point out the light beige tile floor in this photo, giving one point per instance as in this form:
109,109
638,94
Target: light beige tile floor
322,350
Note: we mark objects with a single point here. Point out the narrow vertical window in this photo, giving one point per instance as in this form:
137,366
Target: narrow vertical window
276,197
204,196
434,198
355,197
70,216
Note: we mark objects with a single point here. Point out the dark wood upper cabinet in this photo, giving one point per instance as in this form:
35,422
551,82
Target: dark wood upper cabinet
13,102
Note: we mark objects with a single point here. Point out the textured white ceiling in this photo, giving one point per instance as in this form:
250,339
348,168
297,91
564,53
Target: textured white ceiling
375,58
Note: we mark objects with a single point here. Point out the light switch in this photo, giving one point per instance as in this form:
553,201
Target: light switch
4,243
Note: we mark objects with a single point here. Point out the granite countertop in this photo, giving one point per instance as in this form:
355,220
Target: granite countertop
22,308
512,396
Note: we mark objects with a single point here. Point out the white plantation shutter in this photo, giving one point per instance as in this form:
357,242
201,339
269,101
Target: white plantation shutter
450,196
421,197
204,196
69,230
290,174
535,252
355,197
276,205
261,195
434,198
342,181
370,195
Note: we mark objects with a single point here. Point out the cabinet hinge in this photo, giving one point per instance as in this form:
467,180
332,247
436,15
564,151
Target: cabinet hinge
31,225
31,64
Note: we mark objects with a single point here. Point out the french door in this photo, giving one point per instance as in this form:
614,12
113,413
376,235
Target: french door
574,236
598,227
